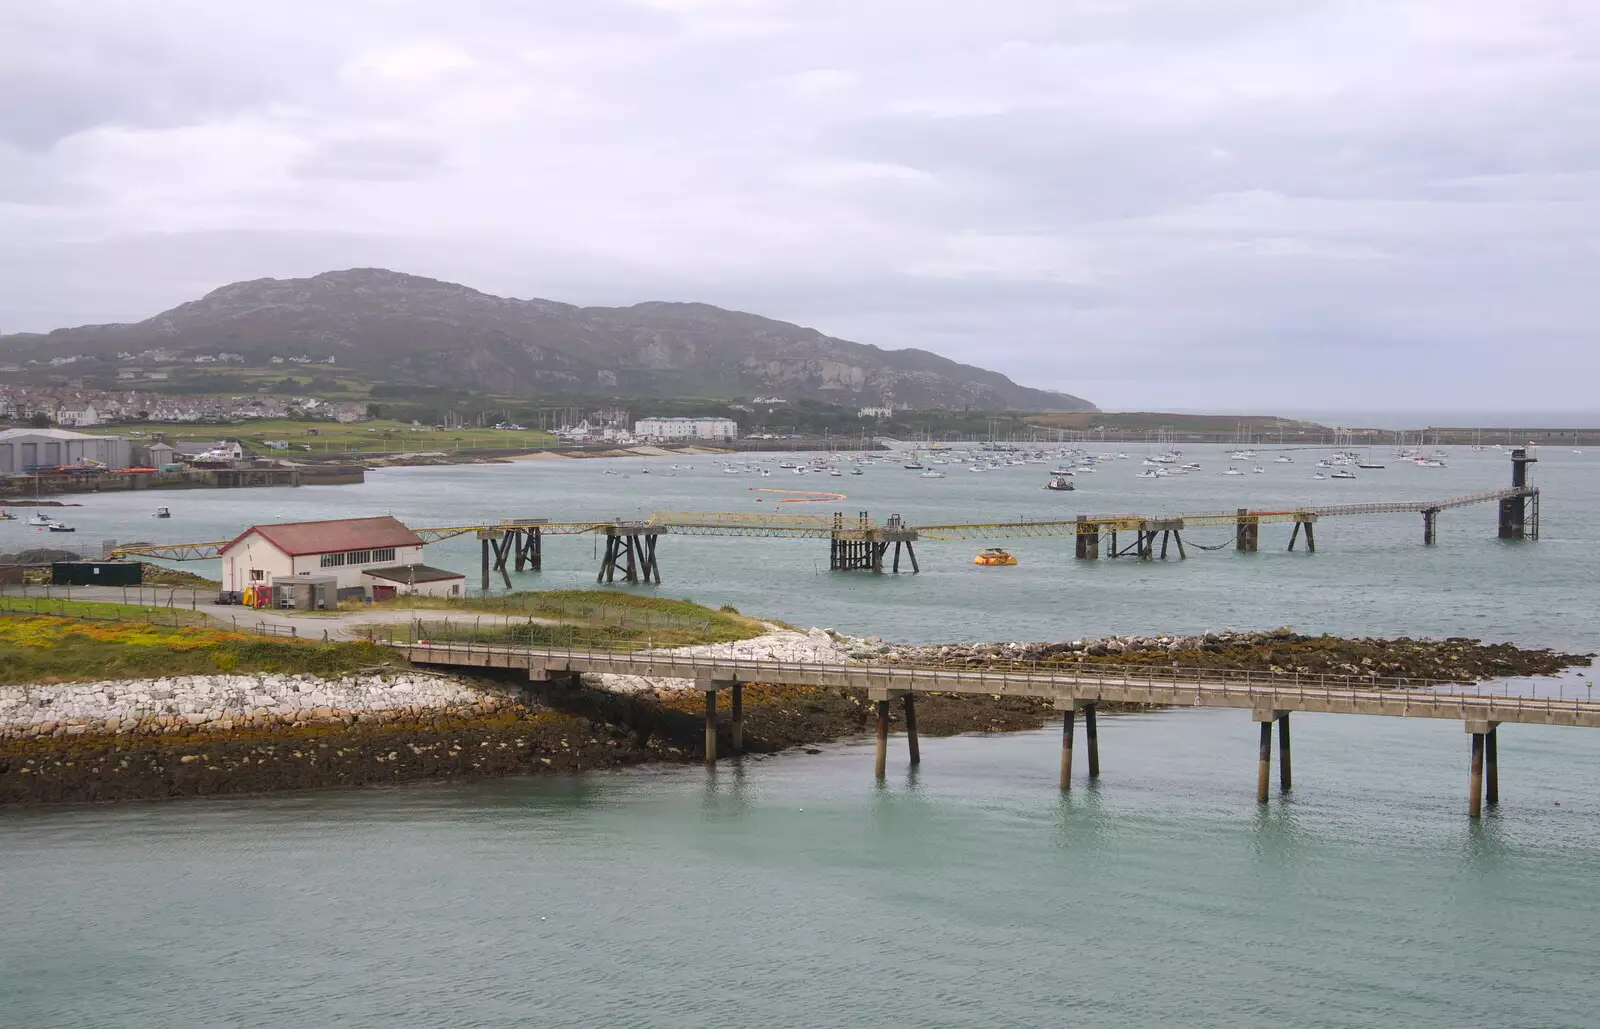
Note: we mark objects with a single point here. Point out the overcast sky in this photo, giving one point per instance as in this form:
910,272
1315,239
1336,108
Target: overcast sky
1197,204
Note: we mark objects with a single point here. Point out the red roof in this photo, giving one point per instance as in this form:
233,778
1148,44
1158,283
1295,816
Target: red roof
298,539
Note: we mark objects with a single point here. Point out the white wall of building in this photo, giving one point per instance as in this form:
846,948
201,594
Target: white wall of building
255,554
686,428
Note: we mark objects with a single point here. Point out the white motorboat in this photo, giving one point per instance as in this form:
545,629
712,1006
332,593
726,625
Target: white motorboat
1343,473
1233,471
39,521
931,474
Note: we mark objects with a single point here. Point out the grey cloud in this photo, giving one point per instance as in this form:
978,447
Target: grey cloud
1216,194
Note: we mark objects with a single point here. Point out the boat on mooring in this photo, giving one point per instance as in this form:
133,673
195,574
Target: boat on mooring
994,557
1060,482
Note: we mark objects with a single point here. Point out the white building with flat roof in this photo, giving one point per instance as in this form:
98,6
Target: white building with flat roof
686,428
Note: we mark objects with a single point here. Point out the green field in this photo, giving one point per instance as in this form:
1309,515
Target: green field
333,438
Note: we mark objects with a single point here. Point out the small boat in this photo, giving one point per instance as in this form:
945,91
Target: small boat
1370,466
1343,473
853,471
1283,459
931,474
7,516
1060,482
1319,475
162,512
1233,471
61,527
834,471
39,521
912,465
1258,470
994,557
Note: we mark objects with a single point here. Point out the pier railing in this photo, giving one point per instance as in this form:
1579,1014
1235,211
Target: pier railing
1132,683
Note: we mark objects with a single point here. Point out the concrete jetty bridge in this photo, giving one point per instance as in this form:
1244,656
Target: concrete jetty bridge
1269,697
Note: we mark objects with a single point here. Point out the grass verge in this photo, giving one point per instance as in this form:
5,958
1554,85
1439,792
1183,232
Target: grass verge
46,649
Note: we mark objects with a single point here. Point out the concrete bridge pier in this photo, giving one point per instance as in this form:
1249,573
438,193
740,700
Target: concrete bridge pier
1305,523
881,698
1266,716
1484,752
1430,517
1091,736
1247,531
1069,708
709,686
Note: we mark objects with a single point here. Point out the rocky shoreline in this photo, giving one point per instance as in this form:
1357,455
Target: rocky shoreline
235,734
1457,659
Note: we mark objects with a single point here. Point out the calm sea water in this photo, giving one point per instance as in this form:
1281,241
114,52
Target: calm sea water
796,891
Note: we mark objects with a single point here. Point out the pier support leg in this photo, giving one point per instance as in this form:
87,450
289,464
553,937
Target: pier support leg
1428,523
883,739
711,727
1264,761
911,552
1092,737
485,584
1284,775
1294,535
911,729
1067,718
1475,784
1177,536
1311,538
737,693
1491,766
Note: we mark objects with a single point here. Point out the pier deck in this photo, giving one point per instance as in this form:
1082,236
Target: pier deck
1269,697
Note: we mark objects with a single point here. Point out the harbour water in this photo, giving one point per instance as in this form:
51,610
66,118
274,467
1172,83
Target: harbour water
797,891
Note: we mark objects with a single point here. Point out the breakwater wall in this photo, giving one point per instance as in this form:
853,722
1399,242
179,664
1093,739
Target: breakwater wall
187,705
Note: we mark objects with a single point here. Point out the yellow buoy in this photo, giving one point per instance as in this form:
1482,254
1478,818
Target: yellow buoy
994,556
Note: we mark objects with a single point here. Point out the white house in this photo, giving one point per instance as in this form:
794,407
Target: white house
349,549
686,428
78,417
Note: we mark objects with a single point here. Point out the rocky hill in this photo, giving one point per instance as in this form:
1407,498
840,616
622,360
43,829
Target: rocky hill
388,326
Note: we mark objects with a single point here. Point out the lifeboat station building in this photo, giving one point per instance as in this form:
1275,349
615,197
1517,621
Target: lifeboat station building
375,558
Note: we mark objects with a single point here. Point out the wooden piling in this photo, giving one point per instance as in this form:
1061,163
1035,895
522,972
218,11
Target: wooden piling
915,748
883,738
1092,737
1067,718
1491,766
1475,784
711,727
1264,763
1283,752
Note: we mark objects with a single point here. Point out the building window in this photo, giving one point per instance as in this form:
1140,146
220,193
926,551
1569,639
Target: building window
332,560
358,557
386,554
257,575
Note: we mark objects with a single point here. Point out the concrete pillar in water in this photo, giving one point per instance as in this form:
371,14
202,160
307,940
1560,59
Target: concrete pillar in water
1485,752
911,729
1429,518
1475,783
1266,716
1067,718
711,726
1283,752
1491,766
737,692
1092,737
883,739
